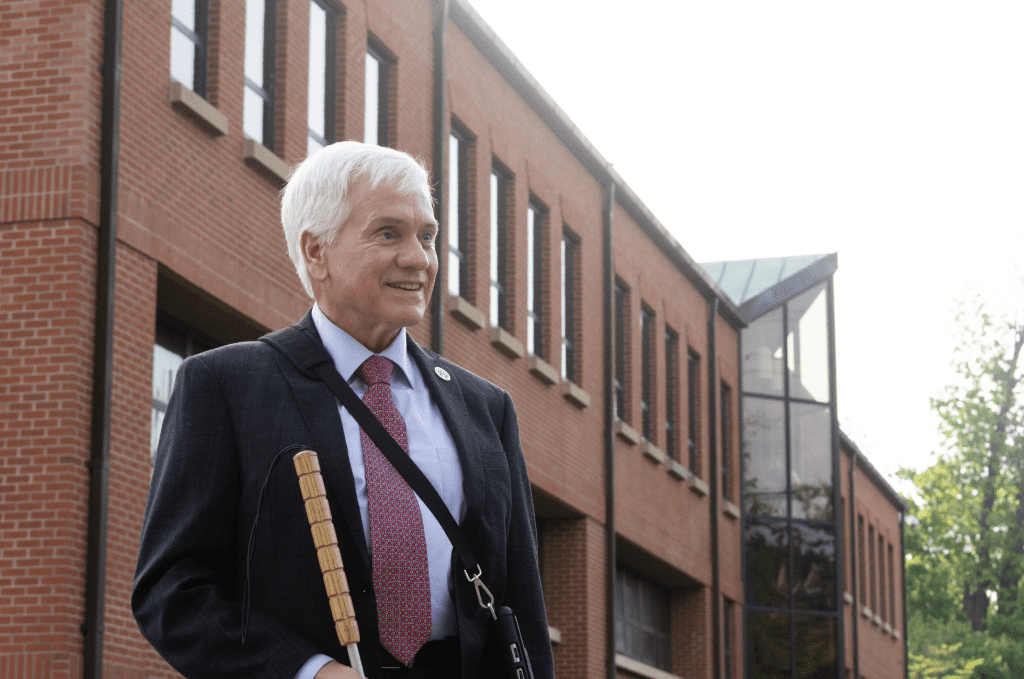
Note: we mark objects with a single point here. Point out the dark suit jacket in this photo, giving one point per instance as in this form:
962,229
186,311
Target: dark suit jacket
233,410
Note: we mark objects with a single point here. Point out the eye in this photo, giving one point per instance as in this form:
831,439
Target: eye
387,235
428,237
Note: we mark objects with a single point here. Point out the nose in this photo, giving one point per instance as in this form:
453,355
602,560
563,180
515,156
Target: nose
413,255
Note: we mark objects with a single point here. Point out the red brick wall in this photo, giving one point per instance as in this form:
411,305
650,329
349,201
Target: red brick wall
46,321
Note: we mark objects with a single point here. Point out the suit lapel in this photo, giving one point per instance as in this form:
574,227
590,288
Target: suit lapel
319,409
447,394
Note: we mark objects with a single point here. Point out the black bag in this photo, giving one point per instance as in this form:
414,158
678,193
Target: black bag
315,357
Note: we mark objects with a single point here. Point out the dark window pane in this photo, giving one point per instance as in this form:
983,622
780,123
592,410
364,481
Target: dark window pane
725,413
767,563
642,618
671,391
768,637
621,314
814,566
815,647
762,355
811,462
647,372
764,456
499,249
693,409
570,250
535,216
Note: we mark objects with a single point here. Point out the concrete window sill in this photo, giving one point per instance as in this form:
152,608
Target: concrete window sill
543,371
676,470
462,310
555,634
263,159
641,669
652,452
730,509
575,395
626,433
506,343
848,598
197,108
699,486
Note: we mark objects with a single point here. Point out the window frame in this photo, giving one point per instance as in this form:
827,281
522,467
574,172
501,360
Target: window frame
654,606
269,57
693,392
622,337
648,383
671,393
570,254
536,231
500,193
330,76
726,420
386,61
200,39
460,148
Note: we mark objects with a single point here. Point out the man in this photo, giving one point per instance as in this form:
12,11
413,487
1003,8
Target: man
228,582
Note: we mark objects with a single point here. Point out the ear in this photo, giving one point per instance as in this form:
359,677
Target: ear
315,255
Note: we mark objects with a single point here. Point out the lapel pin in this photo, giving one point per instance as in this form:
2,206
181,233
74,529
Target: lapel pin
442,373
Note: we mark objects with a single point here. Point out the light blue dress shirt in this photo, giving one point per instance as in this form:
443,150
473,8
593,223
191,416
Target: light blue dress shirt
430,446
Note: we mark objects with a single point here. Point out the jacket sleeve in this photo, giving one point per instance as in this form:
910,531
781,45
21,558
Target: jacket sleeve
523,592
184,595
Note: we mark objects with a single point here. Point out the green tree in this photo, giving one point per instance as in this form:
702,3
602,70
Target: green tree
966,551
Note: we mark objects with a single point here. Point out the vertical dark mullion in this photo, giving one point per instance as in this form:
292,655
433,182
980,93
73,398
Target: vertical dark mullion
540,216
383,103
502,249
269,71
200,68
330,74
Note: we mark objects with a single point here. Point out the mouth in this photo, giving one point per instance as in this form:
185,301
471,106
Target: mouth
411,287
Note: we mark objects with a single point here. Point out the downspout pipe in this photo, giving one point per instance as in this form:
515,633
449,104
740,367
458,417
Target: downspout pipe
438,165
608,280
903,574
714,478
103,347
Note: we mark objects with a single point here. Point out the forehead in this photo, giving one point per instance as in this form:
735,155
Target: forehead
389,200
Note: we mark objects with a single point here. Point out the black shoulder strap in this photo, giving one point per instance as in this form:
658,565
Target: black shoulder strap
310,356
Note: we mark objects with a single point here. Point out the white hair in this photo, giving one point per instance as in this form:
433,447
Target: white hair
316,197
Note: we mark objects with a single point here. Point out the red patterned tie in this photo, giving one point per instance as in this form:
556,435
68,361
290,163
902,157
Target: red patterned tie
401,577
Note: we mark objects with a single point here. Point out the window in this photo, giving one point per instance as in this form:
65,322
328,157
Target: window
570,292
862,579
621,347
189,24
671,391
536,215
647,371
882,608
726,417
693,409
377,97
175,342
458,213
501,185
258,103
892,589
642,618
873,601
322,75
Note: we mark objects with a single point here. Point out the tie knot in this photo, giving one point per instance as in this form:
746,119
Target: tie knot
377,370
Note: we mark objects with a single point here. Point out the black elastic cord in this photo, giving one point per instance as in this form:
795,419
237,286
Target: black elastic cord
246,598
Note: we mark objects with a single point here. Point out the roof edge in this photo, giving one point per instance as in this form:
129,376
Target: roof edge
466,18
788,288
872,473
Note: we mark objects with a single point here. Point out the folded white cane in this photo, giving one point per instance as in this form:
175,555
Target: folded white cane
307,466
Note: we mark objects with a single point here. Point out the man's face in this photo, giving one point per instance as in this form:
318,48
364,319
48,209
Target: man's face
377,276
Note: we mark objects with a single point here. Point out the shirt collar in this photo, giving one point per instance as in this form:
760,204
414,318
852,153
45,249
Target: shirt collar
348,353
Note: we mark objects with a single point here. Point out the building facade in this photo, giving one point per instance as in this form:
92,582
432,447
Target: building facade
143,146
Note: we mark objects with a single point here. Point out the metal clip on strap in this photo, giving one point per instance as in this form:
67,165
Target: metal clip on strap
481,588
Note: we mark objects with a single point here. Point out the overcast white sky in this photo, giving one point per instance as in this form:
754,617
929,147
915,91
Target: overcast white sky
889,132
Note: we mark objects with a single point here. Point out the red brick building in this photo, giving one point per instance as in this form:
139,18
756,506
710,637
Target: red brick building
143,146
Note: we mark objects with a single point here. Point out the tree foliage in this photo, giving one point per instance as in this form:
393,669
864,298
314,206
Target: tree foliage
965,541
